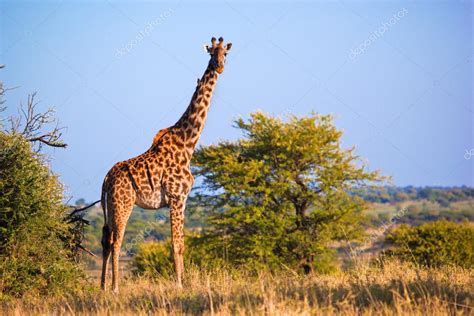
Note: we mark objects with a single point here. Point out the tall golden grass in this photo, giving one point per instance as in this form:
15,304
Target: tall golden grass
386,289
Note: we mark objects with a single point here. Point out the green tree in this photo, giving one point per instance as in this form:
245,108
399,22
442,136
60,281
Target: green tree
434,244
280,196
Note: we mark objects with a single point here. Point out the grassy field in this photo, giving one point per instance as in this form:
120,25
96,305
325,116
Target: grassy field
392,288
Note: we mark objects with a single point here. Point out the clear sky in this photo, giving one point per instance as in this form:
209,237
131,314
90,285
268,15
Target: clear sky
397,76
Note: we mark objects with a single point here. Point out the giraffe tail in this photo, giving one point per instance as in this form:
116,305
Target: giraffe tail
106,233
103,199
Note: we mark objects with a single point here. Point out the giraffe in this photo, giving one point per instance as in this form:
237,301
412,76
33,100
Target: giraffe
161,176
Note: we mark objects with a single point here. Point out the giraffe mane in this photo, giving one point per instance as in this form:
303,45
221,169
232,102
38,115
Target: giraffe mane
159,135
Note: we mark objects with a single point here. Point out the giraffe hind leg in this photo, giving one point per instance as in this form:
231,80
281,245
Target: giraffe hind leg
121,215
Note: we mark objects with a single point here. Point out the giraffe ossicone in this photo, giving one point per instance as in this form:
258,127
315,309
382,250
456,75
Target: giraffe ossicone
160,176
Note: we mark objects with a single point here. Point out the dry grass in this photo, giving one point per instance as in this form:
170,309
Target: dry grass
392,289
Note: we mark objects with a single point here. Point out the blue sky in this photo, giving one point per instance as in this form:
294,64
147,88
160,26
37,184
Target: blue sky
396,75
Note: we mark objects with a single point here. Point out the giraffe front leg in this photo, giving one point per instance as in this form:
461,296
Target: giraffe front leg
117,244
122,213
177,206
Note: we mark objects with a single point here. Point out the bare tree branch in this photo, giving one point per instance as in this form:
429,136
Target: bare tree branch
83,208
30,124
87,251
2,92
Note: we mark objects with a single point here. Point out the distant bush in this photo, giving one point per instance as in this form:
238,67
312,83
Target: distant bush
434,244
441,195
416,215
153,258
36,253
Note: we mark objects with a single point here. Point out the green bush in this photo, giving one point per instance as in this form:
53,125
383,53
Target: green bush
36,253
434,244
153,258
156,259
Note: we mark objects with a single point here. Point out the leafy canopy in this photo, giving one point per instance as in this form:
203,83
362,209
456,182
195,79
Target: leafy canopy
280,195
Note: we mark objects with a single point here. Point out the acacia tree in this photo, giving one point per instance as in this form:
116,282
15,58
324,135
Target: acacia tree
280,195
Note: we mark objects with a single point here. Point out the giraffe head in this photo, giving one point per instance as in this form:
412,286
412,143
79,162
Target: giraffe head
218,52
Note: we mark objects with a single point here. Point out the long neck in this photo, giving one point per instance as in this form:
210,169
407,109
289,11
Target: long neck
192,121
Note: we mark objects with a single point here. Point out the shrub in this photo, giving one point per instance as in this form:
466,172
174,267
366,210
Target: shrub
153,258
36,253
434,244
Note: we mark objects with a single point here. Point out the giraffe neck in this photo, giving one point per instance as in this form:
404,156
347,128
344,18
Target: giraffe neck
192,121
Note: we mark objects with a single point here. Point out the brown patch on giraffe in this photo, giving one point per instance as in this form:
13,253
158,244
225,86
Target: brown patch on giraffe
189,132
149,177
180,132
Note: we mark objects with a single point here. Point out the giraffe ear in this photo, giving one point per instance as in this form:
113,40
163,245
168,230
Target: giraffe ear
207,49
228,46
